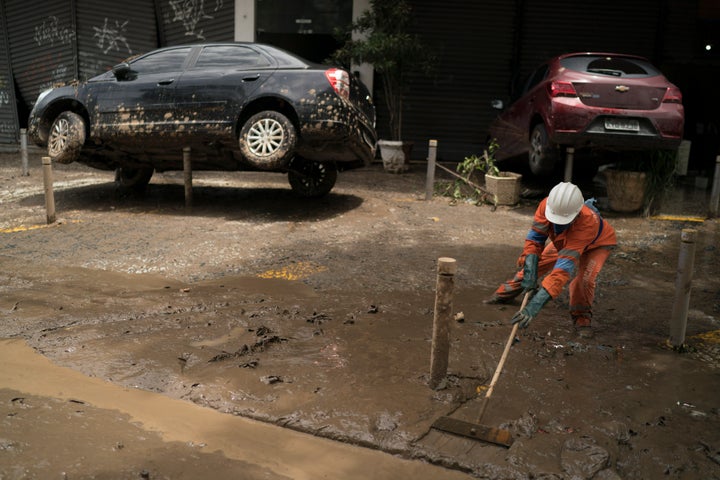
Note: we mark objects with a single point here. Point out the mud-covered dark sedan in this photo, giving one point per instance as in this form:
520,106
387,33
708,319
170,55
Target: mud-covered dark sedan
238,106
594,100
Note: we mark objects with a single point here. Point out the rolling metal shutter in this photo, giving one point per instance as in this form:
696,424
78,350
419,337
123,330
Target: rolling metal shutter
41,36
553,27
110,32
8,117
473,43
182,22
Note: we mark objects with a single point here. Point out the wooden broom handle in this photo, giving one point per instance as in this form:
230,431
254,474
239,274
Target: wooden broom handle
501,363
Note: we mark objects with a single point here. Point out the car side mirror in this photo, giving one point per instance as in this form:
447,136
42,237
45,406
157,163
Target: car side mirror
121,71
497,104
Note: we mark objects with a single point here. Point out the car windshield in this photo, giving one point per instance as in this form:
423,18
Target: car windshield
610,65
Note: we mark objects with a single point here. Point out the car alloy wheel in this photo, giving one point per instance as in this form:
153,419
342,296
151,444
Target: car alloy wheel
542,155
67,136
311,179
267,140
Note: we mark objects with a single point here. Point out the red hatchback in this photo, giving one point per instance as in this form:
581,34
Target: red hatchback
594,100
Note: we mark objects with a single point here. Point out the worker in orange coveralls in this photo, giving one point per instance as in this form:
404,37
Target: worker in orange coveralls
580,242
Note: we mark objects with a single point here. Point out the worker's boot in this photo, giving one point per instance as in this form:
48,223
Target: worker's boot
583,327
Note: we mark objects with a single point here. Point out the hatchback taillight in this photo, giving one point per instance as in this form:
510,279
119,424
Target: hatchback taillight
340,81
672,95
562,89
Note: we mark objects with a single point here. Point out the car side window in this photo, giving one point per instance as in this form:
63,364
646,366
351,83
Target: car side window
536,77
231,56
165,61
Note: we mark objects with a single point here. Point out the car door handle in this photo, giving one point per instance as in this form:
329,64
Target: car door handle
251,78
166,82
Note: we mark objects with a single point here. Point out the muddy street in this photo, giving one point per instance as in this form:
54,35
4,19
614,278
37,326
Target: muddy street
257,335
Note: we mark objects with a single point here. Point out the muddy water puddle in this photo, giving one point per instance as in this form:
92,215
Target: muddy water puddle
95,429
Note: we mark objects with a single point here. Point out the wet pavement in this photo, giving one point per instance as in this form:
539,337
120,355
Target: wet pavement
311,323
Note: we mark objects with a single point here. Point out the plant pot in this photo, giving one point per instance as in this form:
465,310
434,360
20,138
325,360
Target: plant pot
505,187
395,155
625,189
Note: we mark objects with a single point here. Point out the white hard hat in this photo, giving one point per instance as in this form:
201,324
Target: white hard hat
564,203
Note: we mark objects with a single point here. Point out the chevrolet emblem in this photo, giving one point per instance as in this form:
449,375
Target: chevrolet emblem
622,88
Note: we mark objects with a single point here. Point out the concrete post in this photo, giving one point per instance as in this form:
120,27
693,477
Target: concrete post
430,180
187,176
440,352
569,160
24,152
49,195
683,280
715,192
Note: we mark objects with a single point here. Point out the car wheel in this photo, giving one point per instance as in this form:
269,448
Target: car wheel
311,179
543,155
267,140
133,178
67,136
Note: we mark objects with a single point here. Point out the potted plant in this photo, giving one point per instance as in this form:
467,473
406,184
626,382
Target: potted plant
640,180
502,187
383,40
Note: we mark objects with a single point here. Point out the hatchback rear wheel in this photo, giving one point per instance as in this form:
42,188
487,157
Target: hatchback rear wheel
311,179
134,178
67,136
543,155
267,140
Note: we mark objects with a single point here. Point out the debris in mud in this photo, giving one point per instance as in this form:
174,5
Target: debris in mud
711,452
258,346
271,379
318,318
583,458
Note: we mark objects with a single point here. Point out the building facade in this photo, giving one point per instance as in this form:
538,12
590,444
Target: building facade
483,48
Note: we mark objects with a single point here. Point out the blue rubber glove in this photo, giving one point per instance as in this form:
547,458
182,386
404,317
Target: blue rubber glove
530,273
526,315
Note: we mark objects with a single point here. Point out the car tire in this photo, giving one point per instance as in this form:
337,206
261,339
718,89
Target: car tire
66,138
133,178
311,179
542,156
267,140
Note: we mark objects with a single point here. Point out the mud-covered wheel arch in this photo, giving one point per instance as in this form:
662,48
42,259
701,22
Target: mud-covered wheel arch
543,155
267,140
311,179
135,178
66,138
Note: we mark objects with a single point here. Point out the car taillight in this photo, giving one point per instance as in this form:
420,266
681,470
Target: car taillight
340,81
672,95
562,89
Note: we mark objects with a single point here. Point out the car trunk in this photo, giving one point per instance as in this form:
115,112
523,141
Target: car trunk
619,94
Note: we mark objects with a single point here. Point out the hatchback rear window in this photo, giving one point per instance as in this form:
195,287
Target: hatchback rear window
614,66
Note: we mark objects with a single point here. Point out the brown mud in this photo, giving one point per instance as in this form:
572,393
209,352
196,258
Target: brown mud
316,316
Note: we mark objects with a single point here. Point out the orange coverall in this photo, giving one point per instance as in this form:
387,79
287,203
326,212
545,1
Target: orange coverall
576,254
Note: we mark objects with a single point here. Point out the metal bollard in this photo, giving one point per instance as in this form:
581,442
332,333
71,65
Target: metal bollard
683,280
430,180
49,195
187,176
24,152
569,160
715,192
440,352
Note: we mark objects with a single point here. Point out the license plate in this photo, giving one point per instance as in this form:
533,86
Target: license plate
623,124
